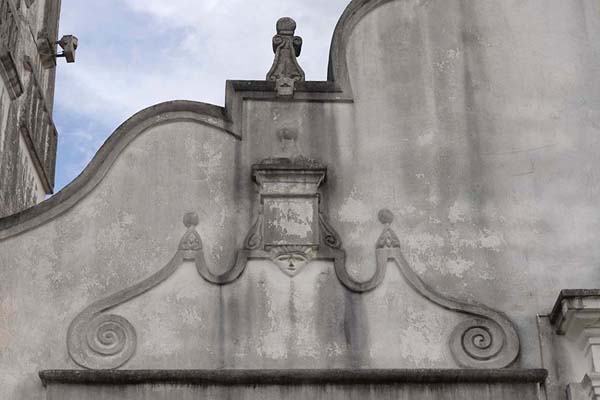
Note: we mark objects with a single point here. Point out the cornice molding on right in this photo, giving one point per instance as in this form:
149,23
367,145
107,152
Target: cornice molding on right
576,315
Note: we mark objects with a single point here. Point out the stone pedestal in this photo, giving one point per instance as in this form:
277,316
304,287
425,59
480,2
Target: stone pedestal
289,201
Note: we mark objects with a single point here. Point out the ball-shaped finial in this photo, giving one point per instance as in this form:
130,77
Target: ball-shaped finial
286,26
385,216
191,219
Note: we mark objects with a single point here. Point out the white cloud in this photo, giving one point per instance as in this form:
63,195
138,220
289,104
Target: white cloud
135,53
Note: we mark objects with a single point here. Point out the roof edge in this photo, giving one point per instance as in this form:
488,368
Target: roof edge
99,166
336,88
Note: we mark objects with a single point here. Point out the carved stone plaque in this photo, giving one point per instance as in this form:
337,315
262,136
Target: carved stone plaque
291,221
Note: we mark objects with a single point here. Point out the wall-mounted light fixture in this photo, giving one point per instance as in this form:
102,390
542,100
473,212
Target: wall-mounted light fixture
47,49
69,44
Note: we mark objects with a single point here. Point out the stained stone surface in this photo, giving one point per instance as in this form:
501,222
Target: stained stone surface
28,137
294,384
474,122
374,392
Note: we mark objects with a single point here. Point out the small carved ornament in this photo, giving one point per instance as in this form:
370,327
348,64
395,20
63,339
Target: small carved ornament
285,70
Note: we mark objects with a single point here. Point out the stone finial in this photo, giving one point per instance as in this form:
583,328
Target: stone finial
285,70
388,238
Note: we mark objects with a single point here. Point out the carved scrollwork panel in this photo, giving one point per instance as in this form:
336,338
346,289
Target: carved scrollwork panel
291,234
489,340
96,340
105,341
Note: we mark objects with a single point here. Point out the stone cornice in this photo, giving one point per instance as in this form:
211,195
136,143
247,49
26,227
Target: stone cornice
292,376
486,339
576,315
572,304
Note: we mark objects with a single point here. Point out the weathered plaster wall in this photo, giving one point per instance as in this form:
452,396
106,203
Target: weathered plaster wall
473,121
491,110
124,231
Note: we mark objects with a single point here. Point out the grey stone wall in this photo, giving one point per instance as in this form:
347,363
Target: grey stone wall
28,136
473,122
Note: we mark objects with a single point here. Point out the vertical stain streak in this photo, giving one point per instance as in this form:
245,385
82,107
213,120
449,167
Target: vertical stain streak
478,118
329,318
429,89
292,339
474,75
356,330
221,329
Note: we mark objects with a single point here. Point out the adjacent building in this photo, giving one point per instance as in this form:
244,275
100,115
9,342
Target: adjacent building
28,137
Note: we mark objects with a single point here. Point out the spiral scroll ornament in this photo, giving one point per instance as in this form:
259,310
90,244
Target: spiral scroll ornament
488,339
104,341
330,236
481,343
254,239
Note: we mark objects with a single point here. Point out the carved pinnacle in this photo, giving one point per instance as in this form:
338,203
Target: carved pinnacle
285,70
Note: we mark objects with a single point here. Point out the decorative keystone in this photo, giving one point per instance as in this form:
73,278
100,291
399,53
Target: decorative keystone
285,70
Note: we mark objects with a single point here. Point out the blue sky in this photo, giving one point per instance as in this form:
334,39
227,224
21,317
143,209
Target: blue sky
135,53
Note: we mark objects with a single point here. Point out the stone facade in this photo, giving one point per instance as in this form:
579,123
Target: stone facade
400,230
28,136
